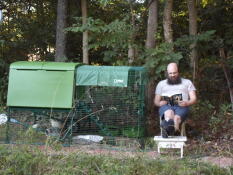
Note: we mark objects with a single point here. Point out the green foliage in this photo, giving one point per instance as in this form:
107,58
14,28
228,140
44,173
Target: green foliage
185,40
54,143
92,25
113,37
104,2
1,43
158,58
150,143
214,121
3,79
203,108
133,132
3,87
27,28
21,161
204,3
221,120
26,135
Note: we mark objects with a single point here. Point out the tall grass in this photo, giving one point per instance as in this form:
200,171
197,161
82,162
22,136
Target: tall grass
30,160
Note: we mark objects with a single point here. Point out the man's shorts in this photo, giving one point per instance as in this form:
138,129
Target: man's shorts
178,110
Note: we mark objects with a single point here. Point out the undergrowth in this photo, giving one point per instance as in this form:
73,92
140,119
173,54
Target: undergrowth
30,160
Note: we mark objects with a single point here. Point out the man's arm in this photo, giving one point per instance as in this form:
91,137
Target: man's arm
158,102
192,99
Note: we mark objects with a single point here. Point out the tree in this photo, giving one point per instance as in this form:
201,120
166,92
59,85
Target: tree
167,21
132,49
60,33
152,23
193,32
227,72
85,33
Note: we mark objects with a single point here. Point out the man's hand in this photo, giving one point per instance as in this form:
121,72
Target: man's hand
158,101
183,103
192,100
162,102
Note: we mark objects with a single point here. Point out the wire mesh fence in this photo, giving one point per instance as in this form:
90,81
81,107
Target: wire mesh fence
114,111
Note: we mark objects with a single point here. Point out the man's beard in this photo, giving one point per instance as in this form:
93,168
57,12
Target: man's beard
174,81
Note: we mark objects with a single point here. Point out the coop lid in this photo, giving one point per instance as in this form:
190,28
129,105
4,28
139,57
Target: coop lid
26,65
39,65
104,75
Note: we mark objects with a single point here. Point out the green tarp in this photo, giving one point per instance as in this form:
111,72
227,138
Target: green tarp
116,76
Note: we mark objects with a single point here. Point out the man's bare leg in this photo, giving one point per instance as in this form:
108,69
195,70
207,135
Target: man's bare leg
177,121
169,114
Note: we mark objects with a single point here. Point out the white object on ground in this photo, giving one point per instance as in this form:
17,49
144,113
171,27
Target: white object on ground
3,118
171,142
93,138
55,123
35,126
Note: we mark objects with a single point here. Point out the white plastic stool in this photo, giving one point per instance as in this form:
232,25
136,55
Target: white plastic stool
171,142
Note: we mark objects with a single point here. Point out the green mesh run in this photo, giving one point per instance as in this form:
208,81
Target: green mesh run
112,111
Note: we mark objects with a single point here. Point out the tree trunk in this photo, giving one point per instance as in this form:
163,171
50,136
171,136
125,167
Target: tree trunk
152,121
167,21
152,24
227,73
60,54
85,33
132,49
131,54
193,32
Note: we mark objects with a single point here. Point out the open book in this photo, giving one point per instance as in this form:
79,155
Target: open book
172,99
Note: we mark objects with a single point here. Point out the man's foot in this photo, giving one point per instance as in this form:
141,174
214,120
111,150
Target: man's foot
170,127
164,133
167,128
163,127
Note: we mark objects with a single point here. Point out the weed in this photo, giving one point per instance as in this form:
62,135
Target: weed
28,160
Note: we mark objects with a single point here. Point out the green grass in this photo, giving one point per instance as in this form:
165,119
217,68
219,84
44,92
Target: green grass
25,159
30,160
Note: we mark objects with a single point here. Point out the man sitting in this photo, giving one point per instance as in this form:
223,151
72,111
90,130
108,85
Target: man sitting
173,96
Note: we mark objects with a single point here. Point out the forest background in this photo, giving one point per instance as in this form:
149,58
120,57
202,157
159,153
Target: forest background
198,34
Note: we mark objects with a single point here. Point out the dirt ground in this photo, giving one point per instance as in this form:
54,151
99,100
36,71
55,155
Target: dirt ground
215,155
223,162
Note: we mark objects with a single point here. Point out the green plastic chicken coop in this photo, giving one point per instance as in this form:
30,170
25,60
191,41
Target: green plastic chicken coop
100,100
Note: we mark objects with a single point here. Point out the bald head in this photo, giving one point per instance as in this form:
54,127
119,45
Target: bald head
172,67
173,74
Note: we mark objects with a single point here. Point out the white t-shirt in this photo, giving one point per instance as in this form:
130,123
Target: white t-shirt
165,89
